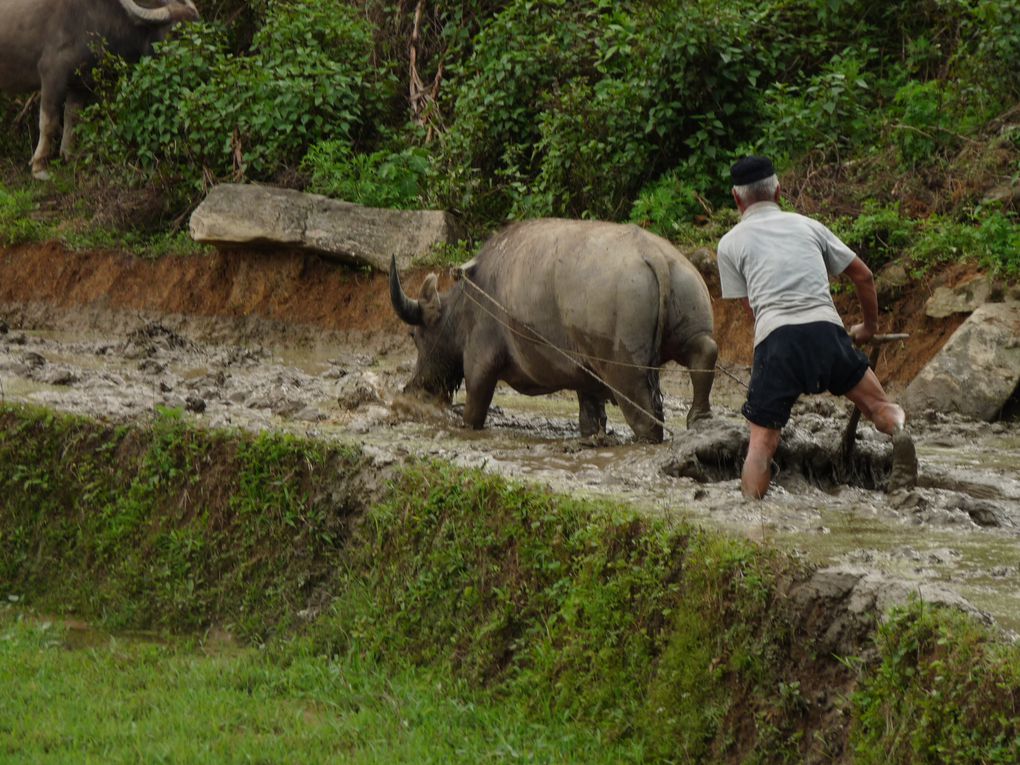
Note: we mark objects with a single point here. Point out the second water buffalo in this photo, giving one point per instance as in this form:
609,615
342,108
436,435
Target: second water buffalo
551,305
51,46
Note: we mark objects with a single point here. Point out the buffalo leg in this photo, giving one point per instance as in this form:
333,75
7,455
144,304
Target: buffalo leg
72,107
479,385
592,416
699,355
51,99
640,401
49,124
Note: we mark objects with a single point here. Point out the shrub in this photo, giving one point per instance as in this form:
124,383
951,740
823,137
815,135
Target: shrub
921,134
216,115
827,115
381,179
944,691
565,112
993,241
879,234
667,206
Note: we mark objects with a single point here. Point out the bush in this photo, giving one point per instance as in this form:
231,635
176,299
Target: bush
567,112
878,235
827,115
921,134
944,691
993,241
213,115
667,206
381,179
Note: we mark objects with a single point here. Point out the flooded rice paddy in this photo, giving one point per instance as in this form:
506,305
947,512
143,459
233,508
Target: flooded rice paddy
956,535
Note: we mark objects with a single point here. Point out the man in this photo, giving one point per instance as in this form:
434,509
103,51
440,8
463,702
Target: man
779,263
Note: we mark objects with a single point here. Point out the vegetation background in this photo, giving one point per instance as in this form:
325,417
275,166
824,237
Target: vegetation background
897,122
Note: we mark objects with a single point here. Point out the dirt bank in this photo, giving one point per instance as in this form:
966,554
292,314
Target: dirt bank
300,288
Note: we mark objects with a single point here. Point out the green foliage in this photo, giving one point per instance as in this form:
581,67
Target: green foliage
826,115
381,179
943,692
211,114
879,234
571,608
16,222
667,206
660,641
525,108
447,255
170,526
921,135
568,112
77,694
993,241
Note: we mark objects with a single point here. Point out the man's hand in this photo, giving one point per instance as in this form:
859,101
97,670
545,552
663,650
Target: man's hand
861,333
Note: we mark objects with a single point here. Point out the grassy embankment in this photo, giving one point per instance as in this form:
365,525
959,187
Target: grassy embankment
439,615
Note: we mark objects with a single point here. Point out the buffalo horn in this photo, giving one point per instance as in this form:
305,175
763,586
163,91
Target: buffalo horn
151,15
407,309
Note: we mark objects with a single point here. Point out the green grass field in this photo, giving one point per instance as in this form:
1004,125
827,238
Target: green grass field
106,699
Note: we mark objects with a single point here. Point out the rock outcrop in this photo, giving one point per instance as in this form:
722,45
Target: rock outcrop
963,298
242,214
978,370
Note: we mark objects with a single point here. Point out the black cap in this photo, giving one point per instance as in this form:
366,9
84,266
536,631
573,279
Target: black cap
750,170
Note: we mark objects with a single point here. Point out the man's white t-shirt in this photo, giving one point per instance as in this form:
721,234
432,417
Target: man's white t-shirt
781,262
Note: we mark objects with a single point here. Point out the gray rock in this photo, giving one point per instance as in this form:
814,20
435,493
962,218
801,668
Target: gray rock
963,298
235,214
977,371
704,260
891,282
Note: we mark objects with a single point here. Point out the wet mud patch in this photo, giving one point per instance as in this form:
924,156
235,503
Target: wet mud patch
958,529
810,450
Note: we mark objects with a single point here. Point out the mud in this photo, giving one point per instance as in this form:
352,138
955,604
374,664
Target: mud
955,537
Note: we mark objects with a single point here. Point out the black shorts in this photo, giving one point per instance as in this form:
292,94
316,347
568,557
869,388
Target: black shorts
797,359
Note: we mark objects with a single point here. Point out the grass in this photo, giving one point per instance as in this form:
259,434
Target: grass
451,605
123,700
26,216
943,692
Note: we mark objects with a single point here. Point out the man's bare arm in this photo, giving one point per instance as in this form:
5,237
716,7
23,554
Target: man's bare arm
864,285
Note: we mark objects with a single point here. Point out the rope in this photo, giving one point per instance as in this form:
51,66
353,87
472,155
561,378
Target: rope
578,354
566,354
574,356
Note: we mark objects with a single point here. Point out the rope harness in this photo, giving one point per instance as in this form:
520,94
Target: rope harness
576,357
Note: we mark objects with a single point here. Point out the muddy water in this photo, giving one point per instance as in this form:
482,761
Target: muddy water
957,533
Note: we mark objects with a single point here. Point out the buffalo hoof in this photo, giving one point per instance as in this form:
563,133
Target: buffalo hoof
41,175
698,418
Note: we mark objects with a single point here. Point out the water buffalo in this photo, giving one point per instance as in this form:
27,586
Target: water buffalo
550,305
50,45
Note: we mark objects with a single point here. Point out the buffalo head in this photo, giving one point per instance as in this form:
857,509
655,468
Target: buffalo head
438,335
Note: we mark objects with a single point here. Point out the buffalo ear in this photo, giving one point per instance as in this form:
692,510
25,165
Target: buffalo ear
431,306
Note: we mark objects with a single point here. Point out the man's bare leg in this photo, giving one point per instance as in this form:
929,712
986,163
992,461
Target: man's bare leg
869,396
889,418
757,472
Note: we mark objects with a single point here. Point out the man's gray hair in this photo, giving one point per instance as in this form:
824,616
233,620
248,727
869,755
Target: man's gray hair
759,191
